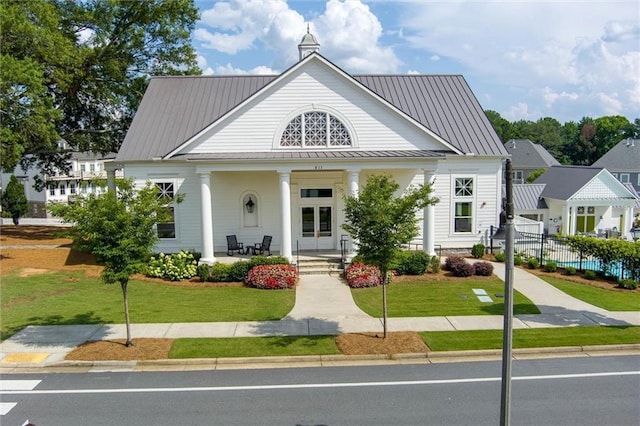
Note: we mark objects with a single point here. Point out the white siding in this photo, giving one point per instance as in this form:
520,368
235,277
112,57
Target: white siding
255,127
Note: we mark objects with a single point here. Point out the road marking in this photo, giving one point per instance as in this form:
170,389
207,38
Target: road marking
316,385
5,407
18,384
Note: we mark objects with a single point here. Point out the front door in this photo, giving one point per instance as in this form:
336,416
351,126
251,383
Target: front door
316,227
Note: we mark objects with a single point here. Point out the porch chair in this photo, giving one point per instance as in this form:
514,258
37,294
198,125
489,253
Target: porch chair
264,246
233,244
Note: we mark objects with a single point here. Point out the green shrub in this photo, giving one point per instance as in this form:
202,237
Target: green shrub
590,275
500,257
570,270
533,263
239,271
398,262
517,260
551,266
204,272
478,250
270,260
435,264
416,263
175,267
220,272
628,284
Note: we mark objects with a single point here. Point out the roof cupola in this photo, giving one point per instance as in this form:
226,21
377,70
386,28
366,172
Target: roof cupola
308,45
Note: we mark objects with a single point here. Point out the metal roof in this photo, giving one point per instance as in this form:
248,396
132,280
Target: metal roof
526,154
528,196
564,181
624,156
175,108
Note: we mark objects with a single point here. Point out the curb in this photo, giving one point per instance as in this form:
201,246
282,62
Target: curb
323,360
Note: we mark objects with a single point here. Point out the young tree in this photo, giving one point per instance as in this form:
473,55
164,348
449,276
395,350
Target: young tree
14,201
118,228
381,222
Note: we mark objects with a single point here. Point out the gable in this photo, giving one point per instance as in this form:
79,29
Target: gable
257,126
603,187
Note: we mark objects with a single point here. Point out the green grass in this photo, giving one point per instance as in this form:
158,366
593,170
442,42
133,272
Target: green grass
253,347
439,298
72,298
531,338
607,299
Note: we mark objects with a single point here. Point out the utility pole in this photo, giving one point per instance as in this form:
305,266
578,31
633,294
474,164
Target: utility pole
507,330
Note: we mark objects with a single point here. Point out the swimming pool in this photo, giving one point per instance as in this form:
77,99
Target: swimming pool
615,270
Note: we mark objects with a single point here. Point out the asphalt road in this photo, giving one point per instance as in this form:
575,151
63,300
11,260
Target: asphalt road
565,391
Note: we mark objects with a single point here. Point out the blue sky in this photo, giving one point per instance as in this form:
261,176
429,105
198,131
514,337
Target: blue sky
524,59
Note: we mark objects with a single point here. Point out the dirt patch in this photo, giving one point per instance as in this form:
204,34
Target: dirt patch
11,235
115,350
374,343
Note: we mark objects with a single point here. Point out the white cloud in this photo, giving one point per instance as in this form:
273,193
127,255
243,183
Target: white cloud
229,69
413,72
203,65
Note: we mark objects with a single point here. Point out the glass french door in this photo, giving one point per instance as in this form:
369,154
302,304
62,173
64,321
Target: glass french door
316,227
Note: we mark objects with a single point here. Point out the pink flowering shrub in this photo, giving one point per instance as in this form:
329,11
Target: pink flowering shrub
360,275
272,276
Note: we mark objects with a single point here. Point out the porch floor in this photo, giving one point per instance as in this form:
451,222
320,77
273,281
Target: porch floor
222,256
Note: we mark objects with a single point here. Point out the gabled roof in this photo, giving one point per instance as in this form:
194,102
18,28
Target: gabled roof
527,196
528,155
175,109
581,182
624,156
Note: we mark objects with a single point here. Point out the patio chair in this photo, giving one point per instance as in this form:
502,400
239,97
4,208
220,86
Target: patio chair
233,245
264,246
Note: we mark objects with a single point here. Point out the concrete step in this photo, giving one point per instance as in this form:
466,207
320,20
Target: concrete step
319,267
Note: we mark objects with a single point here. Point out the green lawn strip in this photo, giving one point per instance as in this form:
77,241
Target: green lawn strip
72,298
253,347
531,338
439,298
607,299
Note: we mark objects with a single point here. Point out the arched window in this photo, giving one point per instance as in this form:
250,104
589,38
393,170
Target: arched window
315,129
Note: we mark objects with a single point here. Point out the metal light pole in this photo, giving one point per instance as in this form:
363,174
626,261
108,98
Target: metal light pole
507,331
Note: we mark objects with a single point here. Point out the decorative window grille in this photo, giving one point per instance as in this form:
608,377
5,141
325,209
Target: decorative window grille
464,187
315,129
463,205
166,229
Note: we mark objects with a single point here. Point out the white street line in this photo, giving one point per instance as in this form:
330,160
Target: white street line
18,384
5,407
316,385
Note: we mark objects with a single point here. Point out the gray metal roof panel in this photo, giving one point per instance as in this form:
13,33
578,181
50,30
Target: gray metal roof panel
526,154
176,108
313,155
528,197
564,181
624,156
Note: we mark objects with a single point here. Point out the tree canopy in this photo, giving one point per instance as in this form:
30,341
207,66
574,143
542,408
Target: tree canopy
77,71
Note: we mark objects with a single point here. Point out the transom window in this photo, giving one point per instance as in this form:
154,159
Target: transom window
464,187
315,129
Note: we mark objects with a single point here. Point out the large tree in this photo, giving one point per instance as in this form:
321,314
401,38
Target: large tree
381,221
118,228
77,71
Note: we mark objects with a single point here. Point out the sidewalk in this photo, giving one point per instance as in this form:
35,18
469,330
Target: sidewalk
324,306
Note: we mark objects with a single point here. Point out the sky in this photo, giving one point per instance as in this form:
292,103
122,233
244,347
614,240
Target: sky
525,60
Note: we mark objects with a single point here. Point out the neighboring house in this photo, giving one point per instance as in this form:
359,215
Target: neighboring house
527,157
62,187
623,161
274,155
572,200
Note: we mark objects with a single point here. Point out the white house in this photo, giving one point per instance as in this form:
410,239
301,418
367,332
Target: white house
274,155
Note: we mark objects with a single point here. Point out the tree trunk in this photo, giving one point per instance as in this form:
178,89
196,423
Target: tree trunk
384,303
123,285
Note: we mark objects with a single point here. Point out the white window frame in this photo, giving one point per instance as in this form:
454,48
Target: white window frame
463,195
625,178
173,206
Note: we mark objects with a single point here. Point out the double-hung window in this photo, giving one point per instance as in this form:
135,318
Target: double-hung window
167,228
463,204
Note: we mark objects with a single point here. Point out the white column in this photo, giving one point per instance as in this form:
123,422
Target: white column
206,218
573,223
428,221
354,182
285,210
627,222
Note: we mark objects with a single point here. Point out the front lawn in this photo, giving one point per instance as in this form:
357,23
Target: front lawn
610,300
56,298
440,298
253,347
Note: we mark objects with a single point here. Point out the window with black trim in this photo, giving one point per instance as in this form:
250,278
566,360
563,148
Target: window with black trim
166,229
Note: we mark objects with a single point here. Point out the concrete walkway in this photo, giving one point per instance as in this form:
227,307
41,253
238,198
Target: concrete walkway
324,306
